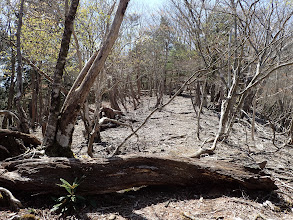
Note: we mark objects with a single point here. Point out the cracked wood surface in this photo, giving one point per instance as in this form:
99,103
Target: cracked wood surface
123,172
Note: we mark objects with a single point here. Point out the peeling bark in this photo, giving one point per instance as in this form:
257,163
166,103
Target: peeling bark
52,124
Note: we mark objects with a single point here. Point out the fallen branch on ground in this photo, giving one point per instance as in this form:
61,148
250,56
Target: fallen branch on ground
105,120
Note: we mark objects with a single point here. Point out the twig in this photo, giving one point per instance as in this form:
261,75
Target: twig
284,184
194,216
18,156
286,194
202,151
27,154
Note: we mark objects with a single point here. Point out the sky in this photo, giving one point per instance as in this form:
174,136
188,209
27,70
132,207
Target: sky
152,5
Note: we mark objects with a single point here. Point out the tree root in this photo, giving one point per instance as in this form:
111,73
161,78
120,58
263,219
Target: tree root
29,154
209,151
6,197
202,151
11,114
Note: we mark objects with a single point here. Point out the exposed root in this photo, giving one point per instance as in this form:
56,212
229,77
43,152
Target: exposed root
202,151
7,197
11,114
29,154
209,151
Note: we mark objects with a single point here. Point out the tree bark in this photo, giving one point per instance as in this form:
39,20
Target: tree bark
19,83
60,144
11,89
34,101
51,127
110,175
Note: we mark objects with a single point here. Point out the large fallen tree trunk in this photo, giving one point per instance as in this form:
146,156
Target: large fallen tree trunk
110,175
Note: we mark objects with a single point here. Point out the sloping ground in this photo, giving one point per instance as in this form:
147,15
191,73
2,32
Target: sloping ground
172,132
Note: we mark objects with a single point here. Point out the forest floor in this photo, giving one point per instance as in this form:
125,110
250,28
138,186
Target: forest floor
172,131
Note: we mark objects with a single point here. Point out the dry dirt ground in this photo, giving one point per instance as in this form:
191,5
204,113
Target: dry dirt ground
171,131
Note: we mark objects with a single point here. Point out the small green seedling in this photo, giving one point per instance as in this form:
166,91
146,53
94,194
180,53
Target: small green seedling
67,204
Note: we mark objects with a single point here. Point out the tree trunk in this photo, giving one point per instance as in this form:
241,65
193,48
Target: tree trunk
34,100
19,85
60,133
113,94
133,94
138,80
213,92
94,134
40,99
202,104
197,94
11,90
110,175
52,124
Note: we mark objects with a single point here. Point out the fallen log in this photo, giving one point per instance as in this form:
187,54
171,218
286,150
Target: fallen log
27,138
123,172
13,143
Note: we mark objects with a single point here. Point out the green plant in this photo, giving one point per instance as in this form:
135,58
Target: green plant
67,204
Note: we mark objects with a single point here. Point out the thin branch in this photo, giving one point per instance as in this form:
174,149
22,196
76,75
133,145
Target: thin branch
251,84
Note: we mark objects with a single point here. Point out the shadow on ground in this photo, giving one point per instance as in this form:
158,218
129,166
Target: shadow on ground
126,203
